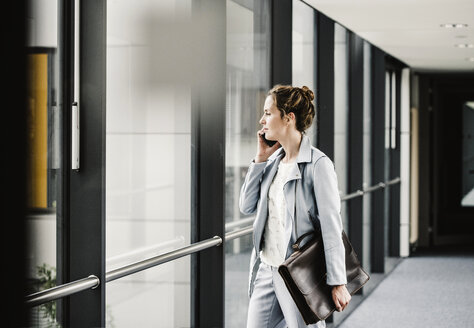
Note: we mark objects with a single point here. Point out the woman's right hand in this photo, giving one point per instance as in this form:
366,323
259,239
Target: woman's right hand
264,151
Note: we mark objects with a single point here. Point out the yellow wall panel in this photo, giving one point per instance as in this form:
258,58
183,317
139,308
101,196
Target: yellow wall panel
37,130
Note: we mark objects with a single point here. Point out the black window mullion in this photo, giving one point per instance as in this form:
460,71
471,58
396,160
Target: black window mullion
356,141
324,92
395,172
208,103
86,229
13,175
282,42
378,160
66,67
325,85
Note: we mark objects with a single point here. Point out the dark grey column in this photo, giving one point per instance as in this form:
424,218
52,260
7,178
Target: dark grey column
394,245
208,169
425,238
356,134
66,67
86,239
378,159
282,18
325,84
324,92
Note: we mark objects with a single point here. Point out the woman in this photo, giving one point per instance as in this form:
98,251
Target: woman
293,187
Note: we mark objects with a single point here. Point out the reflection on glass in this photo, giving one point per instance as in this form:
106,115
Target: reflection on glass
367,156
468,154
248,80
390,96
148,173
44,157
388,92
341,114
303,51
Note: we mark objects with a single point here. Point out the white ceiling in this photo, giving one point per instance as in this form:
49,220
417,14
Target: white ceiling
409,30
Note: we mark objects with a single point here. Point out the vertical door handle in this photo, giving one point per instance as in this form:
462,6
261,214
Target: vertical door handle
75,137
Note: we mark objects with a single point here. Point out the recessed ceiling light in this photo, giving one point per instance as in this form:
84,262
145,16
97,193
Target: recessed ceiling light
465,45
455,25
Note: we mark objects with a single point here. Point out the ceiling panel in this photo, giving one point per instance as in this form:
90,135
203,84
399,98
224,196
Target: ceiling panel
410,29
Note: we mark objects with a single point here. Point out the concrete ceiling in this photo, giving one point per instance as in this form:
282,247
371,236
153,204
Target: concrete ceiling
410,30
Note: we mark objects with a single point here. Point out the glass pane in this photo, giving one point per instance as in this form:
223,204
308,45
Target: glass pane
367,156
248,80
393,112
388,116
148,171
44,155
341,114
388,93
468,154
303,51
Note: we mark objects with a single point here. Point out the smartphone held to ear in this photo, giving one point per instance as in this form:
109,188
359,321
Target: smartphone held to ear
270,143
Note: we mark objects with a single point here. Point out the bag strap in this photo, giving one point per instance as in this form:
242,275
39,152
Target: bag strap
296,208
296,245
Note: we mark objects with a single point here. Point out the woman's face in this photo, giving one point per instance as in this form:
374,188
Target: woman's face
274,126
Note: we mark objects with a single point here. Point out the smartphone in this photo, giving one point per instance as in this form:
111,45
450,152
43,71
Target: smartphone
268,142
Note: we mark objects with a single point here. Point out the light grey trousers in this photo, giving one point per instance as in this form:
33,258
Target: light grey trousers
271,305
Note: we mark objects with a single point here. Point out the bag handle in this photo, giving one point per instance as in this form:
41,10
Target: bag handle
296,245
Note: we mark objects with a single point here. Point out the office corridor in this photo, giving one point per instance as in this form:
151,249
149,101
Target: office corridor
136,178
427,290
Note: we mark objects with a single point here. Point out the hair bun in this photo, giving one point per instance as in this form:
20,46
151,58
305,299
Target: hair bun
309,94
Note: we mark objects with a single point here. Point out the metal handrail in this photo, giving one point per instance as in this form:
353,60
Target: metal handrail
141,252
67,289
238,233
238,223
93,281
160,259
62,290
359,193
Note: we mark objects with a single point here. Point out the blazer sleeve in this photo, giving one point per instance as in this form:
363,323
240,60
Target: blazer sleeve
250,191
329,209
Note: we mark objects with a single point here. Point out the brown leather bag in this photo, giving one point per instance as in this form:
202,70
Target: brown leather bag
304,273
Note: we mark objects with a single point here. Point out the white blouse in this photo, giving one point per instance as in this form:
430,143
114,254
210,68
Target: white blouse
274,250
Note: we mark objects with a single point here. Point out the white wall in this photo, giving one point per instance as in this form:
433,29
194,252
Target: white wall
405,164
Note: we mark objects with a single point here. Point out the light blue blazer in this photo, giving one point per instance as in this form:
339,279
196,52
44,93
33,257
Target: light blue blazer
317,203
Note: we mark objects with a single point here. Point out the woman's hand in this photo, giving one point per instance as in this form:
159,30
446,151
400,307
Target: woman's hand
341,297
263,149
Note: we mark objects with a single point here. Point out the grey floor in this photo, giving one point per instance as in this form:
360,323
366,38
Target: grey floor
433,290
425,290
